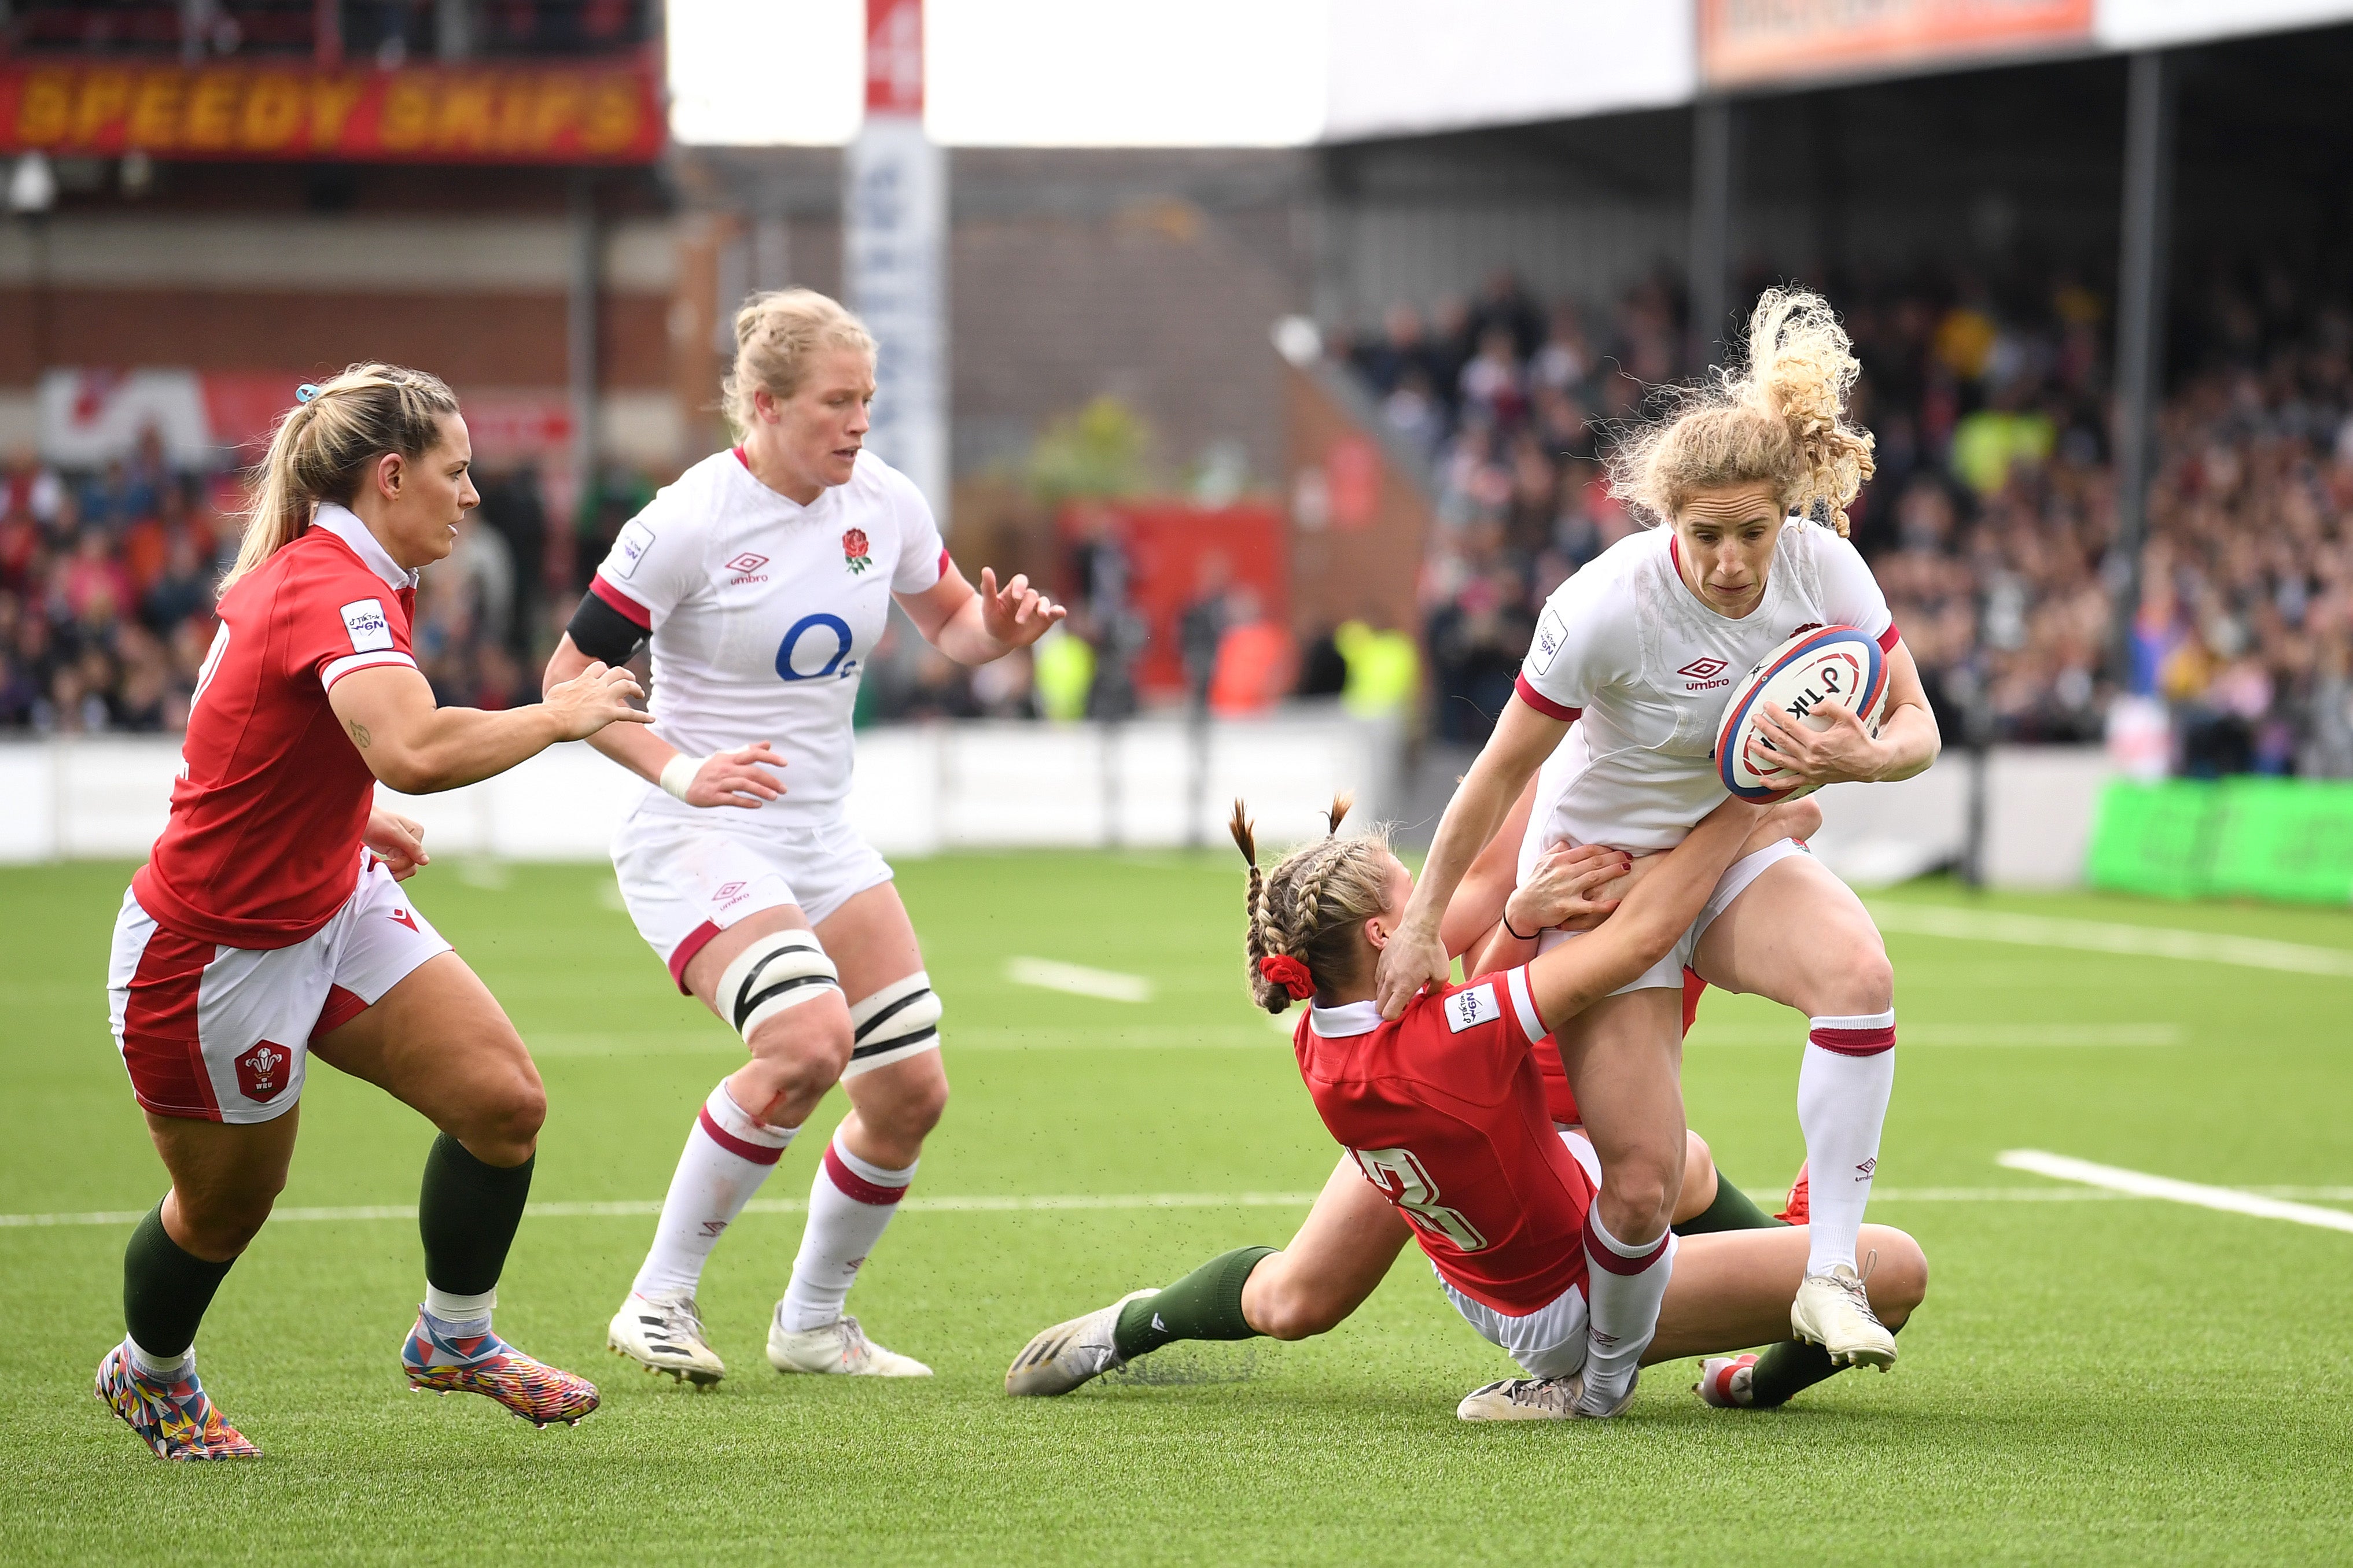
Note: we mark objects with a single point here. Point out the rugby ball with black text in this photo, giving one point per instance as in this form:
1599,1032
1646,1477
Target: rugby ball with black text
1820,665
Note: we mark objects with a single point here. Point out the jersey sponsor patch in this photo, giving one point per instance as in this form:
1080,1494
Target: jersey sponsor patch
1552,636
1468,1009
364,619
633,540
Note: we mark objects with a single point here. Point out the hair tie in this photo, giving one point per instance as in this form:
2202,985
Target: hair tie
1290,973
306,392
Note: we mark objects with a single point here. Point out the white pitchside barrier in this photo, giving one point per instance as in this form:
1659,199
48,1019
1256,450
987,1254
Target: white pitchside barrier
919,790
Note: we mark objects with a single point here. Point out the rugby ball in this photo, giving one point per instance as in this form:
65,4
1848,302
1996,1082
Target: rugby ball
1820,665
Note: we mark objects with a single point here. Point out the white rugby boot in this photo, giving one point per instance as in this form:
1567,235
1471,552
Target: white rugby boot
1725,1382
839,1347
1060,1358
1525,1399
663,1332
1833,1312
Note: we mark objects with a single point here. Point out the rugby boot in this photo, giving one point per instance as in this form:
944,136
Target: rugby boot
1724,1382
1061,1358
171,1416
1523,1399
1800,1204
1833,1310
439,1361
839,1347
663,1332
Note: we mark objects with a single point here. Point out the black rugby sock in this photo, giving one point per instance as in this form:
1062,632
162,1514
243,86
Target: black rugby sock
1784,1371
1731,1209
468,1213
1207,1304
165,1288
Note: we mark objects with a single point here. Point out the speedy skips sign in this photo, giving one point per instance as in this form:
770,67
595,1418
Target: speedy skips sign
526,114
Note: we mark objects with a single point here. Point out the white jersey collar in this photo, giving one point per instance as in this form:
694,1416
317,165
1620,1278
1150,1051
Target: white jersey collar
344,524
1347,1020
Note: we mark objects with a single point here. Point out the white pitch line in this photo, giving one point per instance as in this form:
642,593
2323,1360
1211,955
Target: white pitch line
2141,1184
2020,1035
637,1208
2100,936
1078,980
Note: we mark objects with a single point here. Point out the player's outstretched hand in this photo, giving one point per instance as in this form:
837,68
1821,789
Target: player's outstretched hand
598,696
1412,959
1844,753
740,777
398,841
1016,615
1571,886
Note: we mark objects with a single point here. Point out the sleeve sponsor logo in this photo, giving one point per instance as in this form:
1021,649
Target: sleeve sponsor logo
631,547
1552,636
364,620
1468,1009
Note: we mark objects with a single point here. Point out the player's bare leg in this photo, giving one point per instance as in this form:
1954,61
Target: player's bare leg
1728,1291
1799,936
225,1179
440,1043
741,1131
1624,1057
898,1088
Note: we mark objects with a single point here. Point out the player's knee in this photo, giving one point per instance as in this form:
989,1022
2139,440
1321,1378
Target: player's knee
1289,1308
1899,1274
1638,1200
502,1127
220,1222
802,1052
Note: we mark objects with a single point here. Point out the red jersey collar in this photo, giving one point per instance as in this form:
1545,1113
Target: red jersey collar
345,525
1347,1020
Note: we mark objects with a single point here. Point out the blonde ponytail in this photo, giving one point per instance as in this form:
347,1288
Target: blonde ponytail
1306,908
1781,421
775,334
321,445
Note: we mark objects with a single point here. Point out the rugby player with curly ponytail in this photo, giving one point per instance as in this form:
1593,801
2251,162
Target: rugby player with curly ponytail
1746,479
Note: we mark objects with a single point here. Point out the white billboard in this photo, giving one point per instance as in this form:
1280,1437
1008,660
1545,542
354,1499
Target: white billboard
2153,24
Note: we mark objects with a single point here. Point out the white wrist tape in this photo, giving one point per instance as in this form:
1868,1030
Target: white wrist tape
678,772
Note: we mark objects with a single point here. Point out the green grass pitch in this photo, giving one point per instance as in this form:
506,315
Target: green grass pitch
2122,1380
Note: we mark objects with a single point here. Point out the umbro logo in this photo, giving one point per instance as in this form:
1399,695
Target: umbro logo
1867,1167
1702,674
746,568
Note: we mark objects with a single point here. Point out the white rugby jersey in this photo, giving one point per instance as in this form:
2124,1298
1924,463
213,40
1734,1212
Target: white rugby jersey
762,613
1628,653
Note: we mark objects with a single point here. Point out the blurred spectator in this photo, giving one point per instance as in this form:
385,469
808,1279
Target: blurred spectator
1256,660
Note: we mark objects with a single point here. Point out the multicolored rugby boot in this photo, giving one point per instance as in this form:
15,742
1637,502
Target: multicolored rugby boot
1800,1204
1725,1382
440,1363
173,1416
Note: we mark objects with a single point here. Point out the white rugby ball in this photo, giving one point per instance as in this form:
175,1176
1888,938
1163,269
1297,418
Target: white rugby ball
1819,667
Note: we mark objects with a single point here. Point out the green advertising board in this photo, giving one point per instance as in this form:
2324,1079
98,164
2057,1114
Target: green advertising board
2287,839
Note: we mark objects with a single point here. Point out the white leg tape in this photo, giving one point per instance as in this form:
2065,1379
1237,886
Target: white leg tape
776,974
897,1021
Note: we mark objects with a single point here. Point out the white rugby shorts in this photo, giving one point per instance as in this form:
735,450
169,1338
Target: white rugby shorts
686,881
1551,1340
223,1034
1668,973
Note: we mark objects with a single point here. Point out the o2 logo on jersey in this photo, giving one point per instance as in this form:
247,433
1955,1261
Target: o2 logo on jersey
826,632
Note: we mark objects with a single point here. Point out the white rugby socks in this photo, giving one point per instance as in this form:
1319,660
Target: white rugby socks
728,1155
1623,1286
850,1203
1843,1092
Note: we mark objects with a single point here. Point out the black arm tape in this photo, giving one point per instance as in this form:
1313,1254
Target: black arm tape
602,632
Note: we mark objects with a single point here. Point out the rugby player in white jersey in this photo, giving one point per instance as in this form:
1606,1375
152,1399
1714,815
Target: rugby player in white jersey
764,577
1618,701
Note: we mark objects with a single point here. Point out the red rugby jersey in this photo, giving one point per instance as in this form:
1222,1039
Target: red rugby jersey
263,846
1445,1112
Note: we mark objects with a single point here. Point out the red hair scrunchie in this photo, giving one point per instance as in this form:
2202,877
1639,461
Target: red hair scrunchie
1288,972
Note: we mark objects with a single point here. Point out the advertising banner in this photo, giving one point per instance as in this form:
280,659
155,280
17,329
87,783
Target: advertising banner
525,114
1748,42
2286,839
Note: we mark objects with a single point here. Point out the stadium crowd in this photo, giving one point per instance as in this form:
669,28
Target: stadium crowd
1990,525
1991,518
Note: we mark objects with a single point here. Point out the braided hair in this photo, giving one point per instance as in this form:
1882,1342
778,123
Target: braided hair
1301,914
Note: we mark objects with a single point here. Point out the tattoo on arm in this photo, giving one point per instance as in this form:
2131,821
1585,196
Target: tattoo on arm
360,736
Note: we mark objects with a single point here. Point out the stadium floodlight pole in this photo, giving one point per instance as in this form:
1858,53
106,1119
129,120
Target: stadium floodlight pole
894,252
2140,324
1710,226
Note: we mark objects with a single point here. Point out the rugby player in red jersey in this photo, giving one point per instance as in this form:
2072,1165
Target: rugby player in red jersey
268,924
1444,1114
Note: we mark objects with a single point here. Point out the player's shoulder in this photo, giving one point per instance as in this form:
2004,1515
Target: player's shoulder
874,485
1600,582
1814,543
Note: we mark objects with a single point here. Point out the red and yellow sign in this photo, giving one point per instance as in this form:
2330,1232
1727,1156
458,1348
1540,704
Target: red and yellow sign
592,115
1744,41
